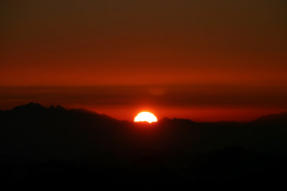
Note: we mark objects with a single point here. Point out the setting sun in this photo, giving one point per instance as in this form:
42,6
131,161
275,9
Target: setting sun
145,117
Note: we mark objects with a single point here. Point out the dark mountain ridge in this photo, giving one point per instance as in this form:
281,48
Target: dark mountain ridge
39,143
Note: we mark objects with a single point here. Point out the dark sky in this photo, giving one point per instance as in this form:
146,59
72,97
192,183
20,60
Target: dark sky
194,45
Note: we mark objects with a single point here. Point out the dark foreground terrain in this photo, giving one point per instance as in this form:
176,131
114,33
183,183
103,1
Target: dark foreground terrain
50,146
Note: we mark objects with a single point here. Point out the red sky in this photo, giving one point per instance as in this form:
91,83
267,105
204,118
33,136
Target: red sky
204,57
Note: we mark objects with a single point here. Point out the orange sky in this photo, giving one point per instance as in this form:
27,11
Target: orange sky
210,50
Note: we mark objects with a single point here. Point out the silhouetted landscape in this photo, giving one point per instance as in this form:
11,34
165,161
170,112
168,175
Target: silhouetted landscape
143,94
56,145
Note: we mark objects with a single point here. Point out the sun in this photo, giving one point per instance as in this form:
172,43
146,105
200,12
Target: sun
145,116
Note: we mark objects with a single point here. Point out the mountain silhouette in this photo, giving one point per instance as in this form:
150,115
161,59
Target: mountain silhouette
58,145
280,118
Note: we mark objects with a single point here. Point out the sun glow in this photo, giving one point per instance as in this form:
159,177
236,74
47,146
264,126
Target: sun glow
145,116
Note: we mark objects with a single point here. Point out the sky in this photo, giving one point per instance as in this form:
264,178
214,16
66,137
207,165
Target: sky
202,59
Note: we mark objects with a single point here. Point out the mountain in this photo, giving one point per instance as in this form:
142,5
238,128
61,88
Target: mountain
54,144
280,119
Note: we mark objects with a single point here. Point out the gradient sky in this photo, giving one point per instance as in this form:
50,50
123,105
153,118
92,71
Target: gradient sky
217,55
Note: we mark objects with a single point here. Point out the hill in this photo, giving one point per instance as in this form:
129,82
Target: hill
58,145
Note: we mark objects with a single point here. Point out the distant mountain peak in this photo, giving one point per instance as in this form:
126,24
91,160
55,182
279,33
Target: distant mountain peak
279,118
33,108
30,106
